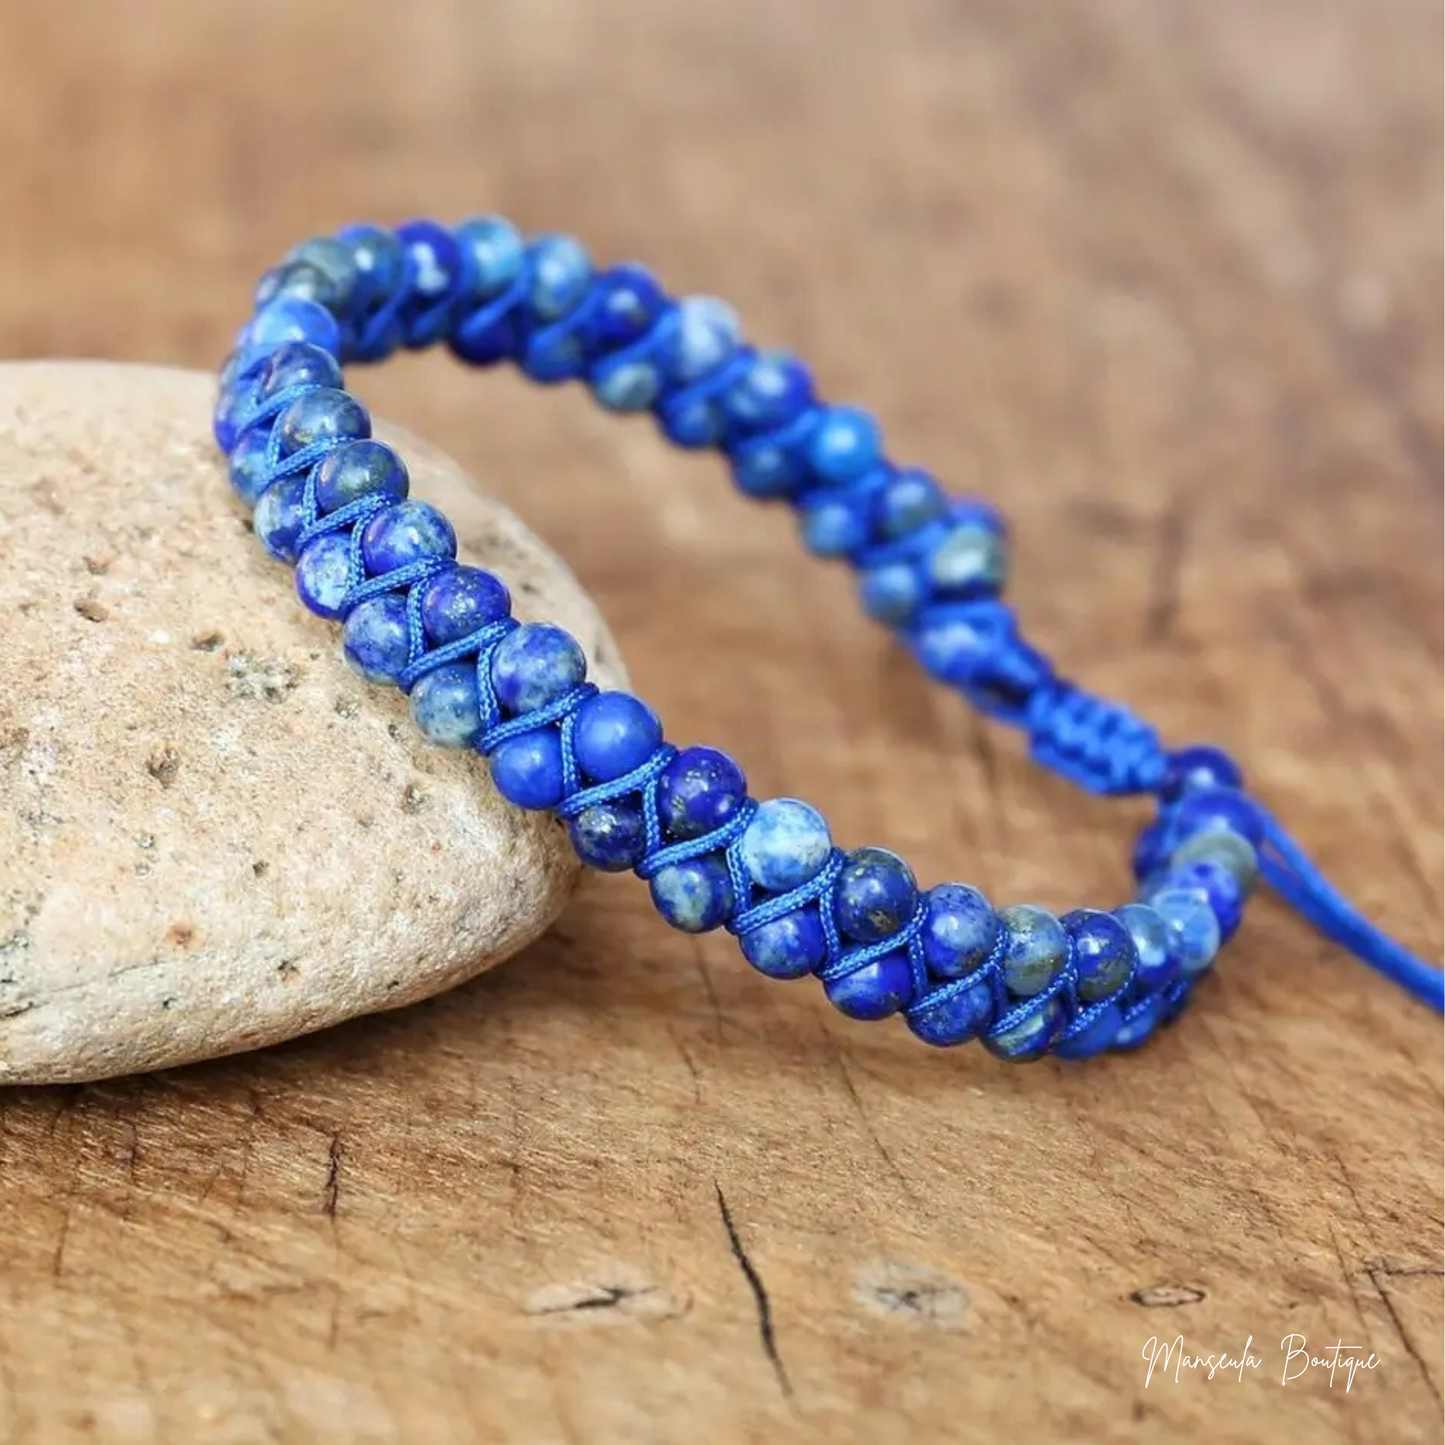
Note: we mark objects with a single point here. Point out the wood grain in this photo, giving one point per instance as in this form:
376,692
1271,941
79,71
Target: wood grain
1164,281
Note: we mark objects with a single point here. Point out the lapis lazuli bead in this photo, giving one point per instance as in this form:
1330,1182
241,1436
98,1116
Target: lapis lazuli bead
788,947
832,526
1035,951
379,259
1086,1039
773,388
435,262
624,383
960,929
1152,847
1225,847
699,791
705,335
528,769
493,250
406,533
968,560
609,837
891,592
959,1015
1201,766
614,733
1030,1037
764,468
280,517
359,469
534,665
323,415
444,704
627,304
374,637
1155,963
323,574
1204,810
1141,1018
874,896
909,500
336,263
1217,886
785,844
249,465
874,990
561,273
1103,952
843,445
298,363
460,601
1193,928
292,318
695,896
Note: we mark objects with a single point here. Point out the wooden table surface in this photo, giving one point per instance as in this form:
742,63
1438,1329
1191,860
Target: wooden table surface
1163,280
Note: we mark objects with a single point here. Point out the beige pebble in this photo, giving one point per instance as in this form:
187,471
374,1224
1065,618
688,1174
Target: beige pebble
213,834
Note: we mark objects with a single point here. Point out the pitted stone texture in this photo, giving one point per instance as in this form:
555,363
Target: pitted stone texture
213,834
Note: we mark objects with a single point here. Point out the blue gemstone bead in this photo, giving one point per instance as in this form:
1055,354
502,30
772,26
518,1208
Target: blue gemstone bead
534,665
609,837
461,601
772,390
233,404
833,526
359,469
874,896
956,1017
374,637
614,733
1140,1020
1204,810
786,843
695,896
1103,953
1198,767
626,384
1155,963
1028,1039
249,464
628,303
528,769
1216,885
691,421
1193,928
494,250
1035,951
323,415
699,791
323,574
298,363
1222,846
435,261
910,500
292,318
334,260
875,990
561,273
406,533
891,592
379,259
705,335
1085,1040
765,469
445,706
280,517
788,947
843,445
968,560
1152,847
292,281
954,644
959,930
483,341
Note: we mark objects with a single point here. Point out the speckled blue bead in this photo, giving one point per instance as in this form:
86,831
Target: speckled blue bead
613,733
874,896
1205,810
435,262
280,517
692,422
1222,846
374,637
963,1013
561,272
960,929
444,705
910,500
298,363
766,469
234,405
292,318
1190,769
249,464
359,469
1103,952
406,533
1141,1018
1216,885
460,601
1193,928
705,335
1152,848
323,415
832,526
968,560
528,769
379,259
875,990
627,302
1028,1039
534,665
1035,951
771,391
1085,1039
785,844
695,896
609,837
336,263
292,281
699,791
625,383
843,445
788,947
892,592
323,574
1155,963
494,251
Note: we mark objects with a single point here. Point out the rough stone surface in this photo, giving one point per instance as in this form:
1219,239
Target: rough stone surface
213,834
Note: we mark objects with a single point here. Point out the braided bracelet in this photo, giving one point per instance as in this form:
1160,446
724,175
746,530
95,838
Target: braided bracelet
334,502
